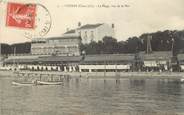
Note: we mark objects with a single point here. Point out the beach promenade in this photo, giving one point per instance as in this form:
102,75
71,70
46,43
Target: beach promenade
142,75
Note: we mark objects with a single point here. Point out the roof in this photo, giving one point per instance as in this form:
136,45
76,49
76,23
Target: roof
47,59
180,57
70,32
109,57
156,55
64,37
60,58
20,60
90,26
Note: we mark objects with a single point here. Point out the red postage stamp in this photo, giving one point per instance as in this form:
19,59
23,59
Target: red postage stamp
21,15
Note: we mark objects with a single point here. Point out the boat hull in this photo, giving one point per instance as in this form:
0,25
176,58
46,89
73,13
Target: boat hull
22,84
48,83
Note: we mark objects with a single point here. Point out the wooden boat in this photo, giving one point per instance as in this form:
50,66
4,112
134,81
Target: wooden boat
49,82
22,83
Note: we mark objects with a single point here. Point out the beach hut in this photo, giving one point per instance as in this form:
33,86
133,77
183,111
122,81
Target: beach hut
107,62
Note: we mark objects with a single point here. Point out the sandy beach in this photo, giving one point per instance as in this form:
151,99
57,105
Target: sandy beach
150,75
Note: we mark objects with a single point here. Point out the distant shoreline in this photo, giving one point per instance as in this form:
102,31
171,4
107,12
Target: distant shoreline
118,75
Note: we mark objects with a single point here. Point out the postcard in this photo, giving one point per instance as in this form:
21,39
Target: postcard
91,57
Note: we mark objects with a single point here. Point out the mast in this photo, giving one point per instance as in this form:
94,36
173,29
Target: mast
149,49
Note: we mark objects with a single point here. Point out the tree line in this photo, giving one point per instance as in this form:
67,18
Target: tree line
18,48
160,41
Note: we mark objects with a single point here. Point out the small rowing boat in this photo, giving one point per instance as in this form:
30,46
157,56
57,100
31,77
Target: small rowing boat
22,83
37,83
49,82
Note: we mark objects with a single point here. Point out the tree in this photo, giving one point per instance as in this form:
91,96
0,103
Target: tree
5,49
21,48
110,45
133,45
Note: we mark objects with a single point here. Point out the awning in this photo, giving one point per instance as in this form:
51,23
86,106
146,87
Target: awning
150,64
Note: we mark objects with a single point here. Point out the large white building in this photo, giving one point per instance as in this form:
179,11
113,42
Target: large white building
51,54
62,46
92,32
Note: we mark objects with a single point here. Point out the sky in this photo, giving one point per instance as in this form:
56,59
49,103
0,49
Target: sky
142,16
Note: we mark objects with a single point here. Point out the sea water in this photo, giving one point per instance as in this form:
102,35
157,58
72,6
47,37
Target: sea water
82,96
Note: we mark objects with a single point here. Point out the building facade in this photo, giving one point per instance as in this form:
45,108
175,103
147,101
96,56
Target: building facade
180,58
107,63
156,60
92,32
62,46
43,63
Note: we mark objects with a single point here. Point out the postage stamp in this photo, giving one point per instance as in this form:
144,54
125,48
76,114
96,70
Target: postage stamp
33,19
20,15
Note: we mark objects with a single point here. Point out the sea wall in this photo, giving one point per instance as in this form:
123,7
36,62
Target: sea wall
54,74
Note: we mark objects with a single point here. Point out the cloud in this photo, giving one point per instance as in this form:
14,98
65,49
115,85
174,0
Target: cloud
142,16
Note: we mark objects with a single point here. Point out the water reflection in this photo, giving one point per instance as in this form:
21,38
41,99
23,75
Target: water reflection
82,96
137,84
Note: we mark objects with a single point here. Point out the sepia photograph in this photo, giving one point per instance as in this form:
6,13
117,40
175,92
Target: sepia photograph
91,57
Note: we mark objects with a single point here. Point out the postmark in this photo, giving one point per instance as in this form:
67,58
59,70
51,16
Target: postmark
33,20
43,23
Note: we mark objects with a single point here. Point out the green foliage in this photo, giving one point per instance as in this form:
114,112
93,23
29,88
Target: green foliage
19,48
5,49
161,41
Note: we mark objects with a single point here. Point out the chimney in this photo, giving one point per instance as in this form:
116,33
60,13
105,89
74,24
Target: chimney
79,24
112,25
